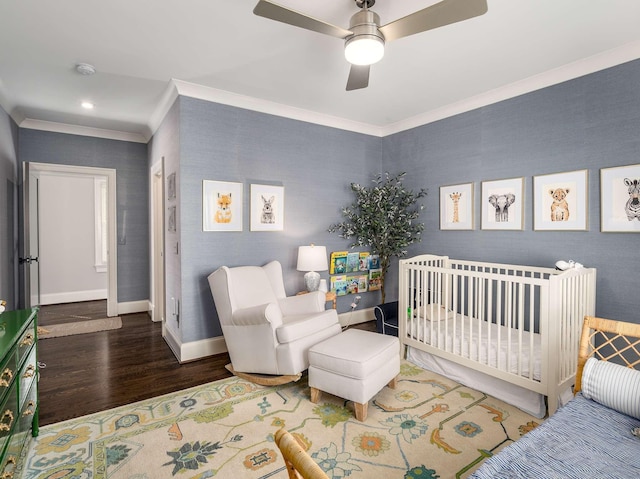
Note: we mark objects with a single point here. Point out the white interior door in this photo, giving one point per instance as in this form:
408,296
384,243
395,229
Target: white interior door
157,201
31,238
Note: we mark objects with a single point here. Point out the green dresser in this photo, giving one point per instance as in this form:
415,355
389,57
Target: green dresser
18,385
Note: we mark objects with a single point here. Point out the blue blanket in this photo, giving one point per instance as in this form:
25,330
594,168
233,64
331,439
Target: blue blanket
582,440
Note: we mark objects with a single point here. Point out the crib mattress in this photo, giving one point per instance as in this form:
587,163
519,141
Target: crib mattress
500,347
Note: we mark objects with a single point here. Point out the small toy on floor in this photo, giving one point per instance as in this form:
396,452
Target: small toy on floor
3,303
636,431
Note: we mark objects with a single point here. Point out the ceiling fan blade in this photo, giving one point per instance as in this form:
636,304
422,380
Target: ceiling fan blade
276,12
358,77
438,15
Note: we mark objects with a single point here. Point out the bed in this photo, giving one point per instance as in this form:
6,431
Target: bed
592,435
511,331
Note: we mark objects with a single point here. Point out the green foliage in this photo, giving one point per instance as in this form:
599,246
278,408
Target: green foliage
383,219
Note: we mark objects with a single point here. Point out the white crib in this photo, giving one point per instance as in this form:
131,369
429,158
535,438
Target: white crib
515,326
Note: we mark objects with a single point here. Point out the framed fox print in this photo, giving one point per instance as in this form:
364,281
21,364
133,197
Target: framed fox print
221,206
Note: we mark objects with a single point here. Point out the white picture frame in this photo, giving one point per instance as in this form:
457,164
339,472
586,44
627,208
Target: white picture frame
267,208
456,207
221,206
560,201
502,203
618,213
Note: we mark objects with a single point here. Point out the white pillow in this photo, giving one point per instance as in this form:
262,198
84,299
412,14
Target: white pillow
612,385
437,316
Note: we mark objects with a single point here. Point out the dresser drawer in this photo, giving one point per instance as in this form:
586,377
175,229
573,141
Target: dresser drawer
7,372
26,342
27,375
8,415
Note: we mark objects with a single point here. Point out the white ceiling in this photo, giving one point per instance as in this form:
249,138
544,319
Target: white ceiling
219,50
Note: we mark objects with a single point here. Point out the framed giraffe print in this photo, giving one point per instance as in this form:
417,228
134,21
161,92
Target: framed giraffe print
456,207
620,199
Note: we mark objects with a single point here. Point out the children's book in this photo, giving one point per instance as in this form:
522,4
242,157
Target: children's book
353,262
352,285
375,279
374,261
363,284
339,285
338,262
364,261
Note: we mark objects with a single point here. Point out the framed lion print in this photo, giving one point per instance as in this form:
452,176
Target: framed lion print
560,201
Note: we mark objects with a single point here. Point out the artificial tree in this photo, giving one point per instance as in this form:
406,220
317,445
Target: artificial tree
382,217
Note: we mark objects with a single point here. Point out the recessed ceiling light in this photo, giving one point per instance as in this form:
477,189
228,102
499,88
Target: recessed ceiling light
85,69
88,105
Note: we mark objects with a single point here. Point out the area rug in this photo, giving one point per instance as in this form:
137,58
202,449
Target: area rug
79,327
428,427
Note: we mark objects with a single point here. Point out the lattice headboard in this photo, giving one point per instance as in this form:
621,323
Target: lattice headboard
608,340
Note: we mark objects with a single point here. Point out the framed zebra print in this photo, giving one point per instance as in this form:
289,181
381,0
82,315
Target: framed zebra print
620,199
456,207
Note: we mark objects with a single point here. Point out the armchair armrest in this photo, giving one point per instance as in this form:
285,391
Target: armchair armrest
257,315
313,302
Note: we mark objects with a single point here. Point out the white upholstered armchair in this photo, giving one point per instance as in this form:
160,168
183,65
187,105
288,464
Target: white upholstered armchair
267,332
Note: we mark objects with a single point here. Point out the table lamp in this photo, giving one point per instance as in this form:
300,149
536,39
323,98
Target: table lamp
312,259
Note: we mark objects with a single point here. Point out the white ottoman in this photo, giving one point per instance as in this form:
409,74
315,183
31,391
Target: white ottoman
354,365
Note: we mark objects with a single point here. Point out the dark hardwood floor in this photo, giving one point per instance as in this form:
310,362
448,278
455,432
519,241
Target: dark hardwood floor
87,373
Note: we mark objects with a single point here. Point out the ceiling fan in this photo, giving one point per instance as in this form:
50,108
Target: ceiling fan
365,38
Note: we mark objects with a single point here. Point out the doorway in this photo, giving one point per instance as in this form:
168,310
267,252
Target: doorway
33,173
157,243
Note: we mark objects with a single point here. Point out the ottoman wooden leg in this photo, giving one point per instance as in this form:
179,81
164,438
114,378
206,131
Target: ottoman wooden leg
361,411
393,383
315,395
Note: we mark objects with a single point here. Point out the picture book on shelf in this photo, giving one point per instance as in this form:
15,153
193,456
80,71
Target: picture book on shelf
338,263
375,279
363,284
339,285
352,285
353,262
374,261
364,261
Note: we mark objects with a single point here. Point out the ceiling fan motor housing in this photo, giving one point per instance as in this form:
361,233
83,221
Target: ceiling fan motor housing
364,25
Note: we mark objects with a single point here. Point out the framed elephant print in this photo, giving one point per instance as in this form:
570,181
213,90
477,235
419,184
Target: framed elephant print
620,199
503,204
456,207
560,201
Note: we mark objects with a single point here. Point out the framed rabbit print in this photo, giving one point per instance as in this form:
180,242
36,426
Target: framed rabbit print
267,208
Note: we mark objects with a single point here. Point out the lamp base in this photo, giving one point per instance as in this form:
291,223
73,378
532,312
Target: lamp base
312,281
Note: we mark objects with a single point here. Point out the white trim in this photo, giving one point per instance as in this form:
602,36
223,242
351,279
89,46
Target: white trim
73,296
31,124
202,348
110,173
172,341
356,317
200,92
570,71
164,105
141,306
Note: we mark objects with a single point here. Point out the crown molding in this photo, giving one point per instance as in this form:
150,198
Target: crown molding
55,127
570,71
242,101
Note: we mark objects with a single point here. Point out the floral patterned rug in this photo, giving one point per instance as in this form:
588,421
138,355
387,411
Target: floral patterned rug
428,427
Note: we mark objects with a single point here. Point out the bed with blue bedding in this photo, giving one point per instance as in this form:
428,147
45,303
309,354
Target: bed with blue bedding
593,435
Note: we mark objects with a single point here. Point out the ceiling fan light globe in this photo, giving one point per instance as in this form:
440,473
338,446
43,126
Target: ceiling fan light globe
364,50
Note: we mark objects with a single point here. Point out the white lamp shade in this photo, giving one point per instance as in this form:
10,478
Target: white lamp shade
364,50
312,258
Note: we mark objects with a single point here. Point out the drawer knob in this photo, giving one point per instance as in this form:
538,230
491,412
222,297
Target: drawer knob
30,371
28,340
5,377
4,424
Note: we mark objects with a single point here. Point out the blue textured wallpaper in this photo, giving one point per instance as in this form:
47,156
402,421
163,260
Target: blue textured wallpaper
592,122
313,163
132,183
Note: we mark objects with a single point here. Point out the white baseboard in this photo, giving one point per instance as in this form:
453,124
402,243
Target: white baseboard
134,307
194,350
72,296
356,317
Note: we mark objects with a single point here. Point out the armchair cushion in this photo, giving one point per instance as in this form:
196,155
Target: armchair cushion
298,327
303,304
261,314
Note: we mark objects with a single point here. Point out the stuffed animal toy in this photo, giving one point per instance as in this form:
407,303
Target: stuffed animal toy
3,303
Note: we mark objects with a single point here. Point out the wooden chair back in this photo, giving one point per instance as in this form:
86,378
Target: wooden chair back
608,340
299,464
